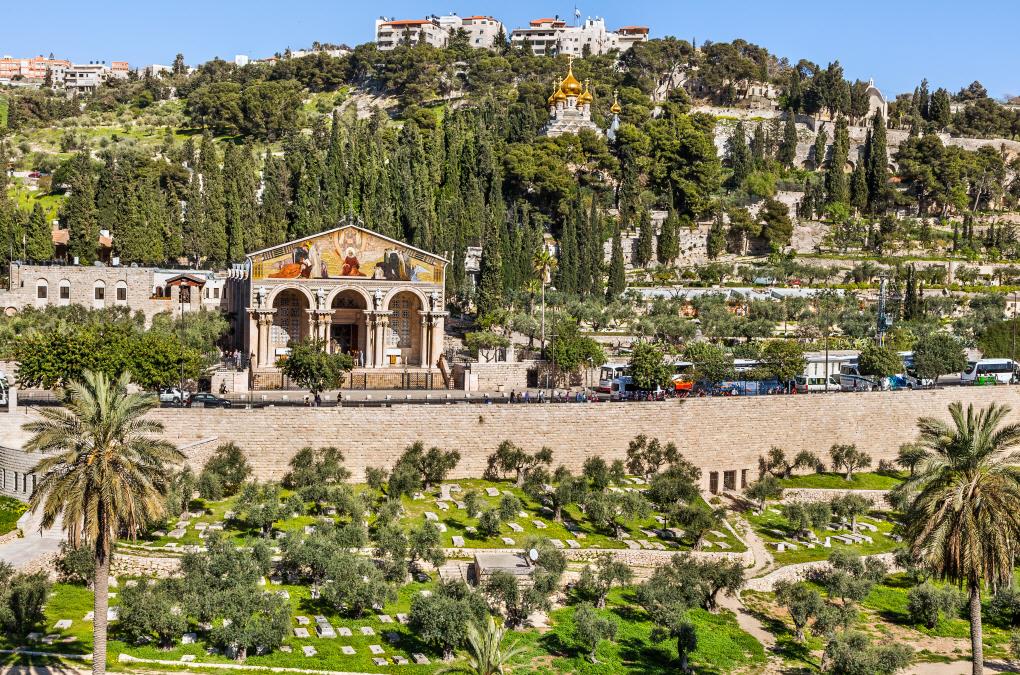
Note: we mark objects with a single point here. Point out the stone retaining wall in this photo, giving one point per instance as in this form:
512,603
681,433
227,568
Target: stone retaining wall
799,571
811,495
716,434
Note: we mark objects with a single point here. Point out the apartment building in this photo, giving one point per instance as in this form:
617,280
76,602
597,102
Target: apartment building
34,68
87,77
482,31
551,36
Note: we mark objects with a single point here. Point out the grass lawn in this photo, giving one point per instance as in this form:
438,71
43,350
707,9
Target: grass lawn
722,646
456,521
836,481
765,523
10,510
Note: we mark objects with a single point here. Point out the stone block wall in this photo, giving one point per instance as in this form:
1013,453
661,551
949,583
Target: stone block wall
717,434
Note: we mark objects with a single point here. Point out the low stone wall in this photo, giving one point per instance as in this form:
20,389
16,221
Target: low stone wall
632,557
766,583
144,566
878,498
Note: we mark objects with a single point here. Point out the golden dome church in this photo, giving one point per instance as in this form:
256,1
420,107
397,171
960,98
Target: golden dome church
570,107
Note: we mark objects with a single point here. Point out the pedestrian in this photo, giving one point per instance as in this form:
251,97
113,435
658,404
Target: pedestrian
513,395
340,398
318,400
527,397
306,400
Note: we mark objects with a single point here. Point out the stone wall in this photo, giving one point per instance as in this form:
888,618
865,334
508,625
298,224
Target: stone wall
16,479
811,495
717,434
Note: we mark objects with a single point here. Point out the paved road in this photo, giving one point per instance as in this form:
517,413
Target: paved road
34,545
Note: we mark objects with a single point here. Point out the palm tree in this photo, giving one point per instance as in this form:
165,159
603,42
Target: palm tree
961,517
543,263
487,655
103,472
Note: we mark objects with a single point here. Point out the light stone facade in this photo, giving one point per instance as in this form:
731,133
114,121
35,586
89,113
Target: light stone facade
140,289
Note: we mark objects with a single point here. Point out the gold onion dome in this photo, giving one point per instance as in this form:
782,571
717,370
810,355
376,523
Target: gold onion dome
570,85
586,97
616,109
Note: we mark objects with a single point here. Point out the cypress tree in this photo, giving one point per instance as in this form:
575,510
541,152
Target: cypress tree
617,282
787,152
79,215
274,204
716,243
490,282
646,240
821,141
738,156
594,250
239,202
669,239
214,237
193,226
39,237
567,270
877,168
835,177
758,147
174,234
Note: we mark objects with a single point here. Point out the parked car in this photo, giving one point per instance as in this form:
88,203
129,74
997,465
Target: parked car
208,400
173,395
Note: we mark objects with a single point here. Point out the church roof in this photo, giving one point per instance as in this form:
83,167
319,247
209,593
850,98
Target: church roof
367,231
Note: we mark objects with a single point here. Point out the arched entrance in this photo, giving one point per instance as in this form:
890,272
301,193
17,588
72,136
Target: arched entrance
403,339
347,333
290,322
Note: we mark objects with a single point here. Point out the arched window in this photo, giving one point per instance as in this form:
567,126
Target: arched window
42,292
65,292
121,293
99,294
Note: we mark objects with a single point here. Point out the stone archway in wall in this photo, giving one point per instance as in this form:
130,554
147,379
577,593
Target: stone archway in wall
290,321
403,341
348,329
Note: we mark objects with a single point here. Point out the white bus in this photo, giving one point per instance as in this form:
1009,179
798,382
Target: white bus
609,373
989,371
821,373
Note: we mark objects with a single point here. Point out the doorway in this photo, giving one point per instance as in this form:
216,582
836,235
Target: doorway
345,335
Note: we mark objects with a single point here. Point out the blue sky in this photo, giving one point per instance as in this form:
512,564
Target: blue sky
895,42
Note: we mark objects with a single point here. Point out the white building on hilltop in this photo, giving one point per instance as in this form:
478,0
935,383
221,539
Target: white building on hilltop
482,31
548,37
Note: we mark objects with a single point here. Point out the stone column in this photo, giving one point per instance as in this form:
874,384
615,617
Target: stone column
325,322
382,322
424,340
436,335
264,325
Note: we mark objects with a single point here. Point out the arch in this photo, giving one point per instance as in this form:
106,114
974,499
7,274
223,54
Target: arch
388,299
290,322
99,294
273,294
120,286
404,334
64,295
42,292
366,299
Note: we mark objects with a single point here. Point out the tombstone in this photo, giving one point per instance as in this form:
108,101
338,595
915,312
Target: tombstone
34,636
458,540
325,630
402,618
441,527
189,638
367,630
348,650
515,527
286,649
302,620
420,659
632,545
492,492
461,505
573,544
301,632
400,660
63,624
344,631
507,541
644,543
380,661
262,581
780,547
471,529
309,529
385,618
376,649
827,543
201,526
176,534
443,506
284,594
187,658
112,613
309,650
556,542
539,525
429,515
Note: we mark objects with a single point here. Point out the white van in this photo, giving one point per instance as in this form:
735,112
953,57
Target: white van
989,371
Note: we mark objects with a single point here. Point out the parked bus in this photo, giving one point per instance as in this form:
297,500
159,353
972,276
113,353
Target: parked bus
609,373
989,371
910,373
851,379
821,371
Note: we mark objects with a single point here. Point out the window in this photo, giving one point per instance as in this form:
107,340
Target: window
216,293
743,478
65,290
100,292
730,480
122,293
400,321
713,482
41,290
